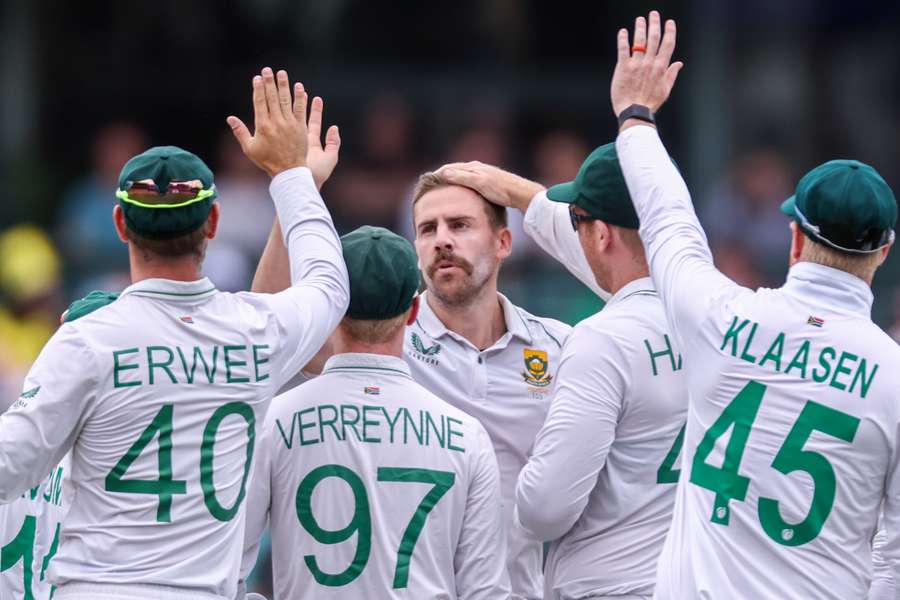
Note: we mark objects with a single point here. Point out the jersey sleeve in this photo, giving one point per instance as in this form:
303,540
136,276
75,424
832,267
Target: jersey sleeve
678,253
571,448
259,500
309,310
886,550
41,426
882,587
548,224
480,560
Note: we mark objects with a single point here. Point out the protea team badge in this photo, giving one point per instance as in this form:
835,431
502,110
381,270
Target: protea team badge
536,368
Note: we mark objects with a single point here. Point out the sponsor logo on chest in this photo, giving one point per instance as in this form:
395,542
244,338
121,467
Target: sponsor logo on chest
423,353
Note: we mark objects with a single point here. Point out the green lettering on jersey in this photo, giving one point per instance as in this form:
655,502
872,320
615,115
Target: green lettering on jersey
329,422
773,354
667,352
860,376
259,361
825,365
409,423
800,359
198,355
152,364
306,441
367,422
840,369
118,383
453,432
392,422
288,439
430,426
234,363
745,355
732,335
345,421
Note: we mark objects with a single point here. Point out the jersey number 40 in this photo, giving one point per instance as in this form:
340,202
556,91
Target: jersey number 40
729,485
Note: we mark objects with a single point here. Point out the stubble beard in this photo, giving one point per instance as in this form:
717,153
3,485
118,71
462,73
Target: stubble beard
460,292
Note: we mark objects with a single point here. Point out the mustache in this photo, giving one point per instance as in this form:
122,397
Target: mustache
444,256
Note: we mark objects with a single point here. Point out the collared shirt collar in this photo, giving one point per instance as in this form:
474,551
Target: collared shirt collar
359,361
639,287
169,289
838,290
435,328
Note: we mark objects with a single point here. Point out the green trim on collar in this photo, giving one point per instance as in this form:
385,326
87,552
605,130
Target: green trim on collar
366,368
177,294
640,293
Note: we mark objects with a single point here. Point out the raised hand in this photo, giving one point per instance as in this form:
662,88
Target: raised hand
493,184
321,161
279,141
643,74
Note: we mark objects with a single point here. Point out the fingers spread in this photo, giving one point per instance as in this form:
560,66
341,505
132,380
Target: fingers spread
640,35
622,44
332,139
240,131
271,93
668,43
260,108
284,94
300,98
315,120
672,73
653,34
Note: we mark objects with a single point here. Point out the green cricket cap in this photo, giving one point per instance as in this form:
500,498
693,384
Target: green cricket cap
844,204
599,188
384,273
166,164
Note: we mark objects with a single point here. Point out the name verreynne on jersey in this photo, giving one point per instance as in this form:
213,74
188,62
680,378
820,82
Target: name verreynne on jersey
840,369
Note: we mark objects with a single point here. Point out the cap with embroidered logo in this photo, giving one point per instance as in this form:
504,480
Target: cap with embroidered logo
599,188
165,219
844,204
384,273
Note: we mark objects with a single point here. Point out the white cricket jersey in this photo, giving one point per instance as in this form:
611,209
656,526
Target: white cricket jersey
507,388
29,536
601,481
158,396
791,441
376,488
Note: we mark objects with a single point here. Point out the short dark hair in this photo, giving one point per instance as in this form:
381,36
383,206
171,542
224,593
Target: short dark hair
189,244
431,180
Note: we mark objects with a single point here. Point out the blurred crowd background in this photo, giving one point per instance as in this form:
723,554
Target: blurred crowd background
770,89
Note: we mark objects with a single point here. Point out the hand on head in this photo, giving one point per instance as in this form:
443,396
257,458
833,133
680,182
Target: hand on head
643,74
280,139
492,183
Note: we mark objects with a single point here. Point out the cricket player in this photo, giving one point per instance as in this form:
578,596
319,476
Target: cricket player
601,480
791,446
385,490
158,394
469,344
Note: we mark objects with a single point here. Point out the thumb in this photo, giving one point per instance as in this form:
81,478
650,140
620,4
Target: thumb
333,140
240,131
672,73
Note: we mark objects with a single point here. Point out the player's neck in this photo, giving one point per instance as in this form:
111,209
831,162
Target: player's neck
178,269
480,321
344,344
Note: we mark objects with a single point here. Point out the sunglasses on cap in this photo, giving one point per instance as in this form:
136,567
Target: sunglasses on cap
870,240
147,194
575,218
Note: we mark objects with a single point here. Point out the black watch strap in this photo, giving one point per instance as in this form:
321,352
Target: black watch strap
636,111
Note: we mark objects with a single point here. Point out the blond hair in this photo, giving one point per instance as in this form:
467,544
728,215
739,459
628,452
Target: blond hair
432,180
860,265
374,331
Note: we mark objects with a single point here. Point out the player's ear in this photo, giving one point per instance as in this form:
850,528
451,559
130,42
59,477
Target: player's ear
797,241
119,222
504,235
212,221
413,313
601,234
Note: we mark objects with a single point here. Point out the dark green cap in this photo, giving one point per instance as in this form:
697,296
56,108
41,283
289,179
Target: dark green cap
844,204
599,188
165,164
384,273
87,305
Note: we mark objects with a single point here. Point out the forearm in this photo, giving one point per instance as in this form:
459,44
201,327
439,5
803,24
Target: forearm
273,274
313,246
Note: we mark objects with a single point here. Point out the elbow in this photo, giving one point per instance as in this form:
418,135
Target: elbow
541,513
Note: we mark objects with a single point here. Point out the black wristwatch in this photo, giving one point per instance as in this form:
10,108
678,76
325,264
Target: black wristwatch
636,111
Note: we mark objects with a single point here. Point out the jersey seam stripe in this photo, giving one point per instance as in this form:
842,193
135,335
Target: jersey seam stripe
549,335
180,294
361,368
